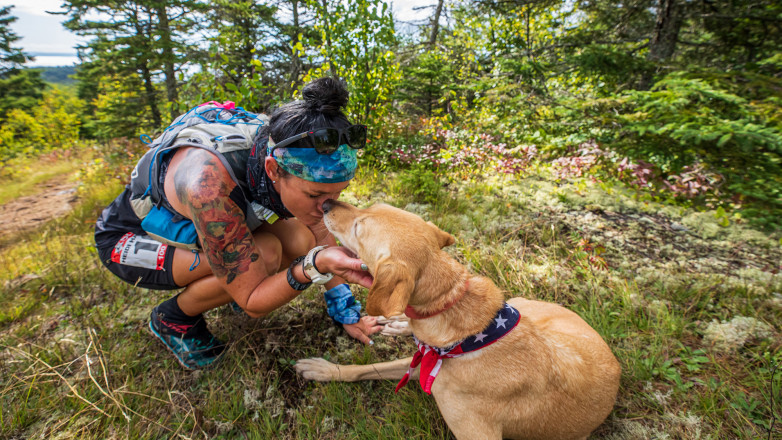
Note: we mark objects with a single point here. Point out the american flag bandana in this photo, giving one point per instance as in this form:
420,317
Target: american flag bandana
431,358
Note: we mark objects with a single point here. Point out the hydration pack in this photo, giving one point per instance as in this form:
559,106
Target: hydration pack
222,129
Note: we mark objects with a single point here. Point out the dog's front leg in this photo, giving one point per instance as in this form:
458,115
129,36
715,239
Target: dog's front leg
321,370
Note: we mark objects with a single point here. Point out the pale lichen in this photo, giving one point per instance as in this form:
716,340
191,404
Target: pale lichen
328,424
633,430
734,334
685,426
420,209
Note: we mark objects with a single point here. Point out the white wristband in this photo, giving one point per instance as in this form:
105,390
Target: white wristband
309,267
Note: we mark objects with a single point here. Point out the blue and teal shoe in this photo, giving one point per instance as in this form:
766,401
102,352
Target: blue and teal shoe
192,345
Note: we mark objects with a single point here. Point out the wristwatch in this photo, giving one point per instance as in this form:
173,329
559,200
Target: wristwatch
312,271
295,285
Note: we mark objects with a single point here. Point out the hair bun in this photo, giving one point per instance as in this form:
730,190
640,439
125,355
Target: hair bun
326,95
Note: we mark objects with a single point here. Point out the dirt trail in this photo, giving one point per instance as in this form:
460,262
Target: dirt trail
54,199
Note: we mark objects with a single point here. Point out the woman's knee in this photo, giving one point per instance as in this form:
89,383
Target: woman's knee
270,248
299,241
295,236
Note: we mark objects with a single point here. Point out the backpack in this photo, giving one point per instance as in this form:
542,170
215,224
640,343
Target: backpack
224,130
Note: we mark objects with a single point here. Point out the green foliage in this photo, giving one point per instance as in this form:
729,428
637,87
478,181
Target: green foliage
51,124
244,65
694,96
421,184
357,40
11,58
426,77
21,90
112,116
137,45
607,67
730,123
62,75
705,119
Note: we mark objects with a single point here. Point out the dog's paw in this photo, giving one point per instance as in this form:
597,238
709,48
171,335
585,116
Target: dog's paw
382,320
397,328
317,369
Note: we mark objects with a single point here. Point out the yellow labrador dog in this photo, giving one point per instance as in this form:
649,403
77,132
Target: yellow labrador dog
550,377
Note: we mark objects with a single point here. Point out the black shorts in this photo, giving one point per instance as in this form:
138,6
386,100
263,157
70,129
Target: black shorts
140,260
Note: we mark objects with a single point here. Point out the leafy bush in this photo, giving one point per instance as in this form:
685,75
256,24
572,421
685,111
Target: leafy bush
52,124
706,119
20,90
422,184
355,42
703,129
461,152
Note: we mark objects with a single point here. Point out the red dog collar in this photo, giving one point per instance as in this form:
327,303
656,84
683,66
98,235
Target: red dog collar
412,314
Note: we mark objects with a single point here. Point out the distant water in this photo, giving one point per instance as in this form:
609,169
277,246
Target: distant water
53,60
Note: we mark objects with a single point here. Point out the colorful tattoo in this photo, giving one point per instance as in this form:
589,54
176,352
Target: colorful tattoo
225,237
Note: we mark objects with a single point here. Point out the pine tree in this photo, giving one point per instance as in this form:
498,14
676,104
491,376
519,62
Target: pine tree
135,47
19,88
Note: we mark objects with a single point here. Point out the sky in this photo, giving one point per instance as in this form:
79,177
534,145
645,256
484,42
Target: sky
52,45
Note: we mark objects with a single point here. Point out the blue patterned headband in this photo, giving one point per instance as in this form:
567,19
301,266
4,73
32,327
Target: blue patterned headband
306,163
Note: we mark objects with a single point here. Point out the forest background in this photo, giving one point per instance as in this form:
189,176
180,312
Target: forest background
517,112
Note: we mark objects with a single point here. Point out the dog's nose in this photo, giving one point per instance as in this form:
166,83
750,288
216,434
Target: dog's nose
327,205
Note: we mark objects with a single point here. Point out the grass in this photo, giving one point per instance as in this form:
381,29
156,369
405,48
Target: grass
76,360
22,177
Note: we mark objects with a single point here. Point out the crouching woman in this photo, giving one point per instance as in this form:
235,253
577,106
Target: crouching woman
245,193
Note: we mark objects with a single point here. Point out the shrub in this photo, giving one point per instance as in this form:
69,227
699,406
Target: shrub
53,124
701,131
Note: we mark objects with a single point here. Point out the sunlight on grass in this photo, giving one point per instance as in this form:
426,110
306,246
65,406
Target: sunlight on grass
30,173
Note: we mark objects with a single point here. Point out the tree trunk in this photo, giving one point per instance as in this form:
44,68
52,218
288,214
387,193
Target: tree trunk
436,24
168,57
295,61
325,15
666,31
662,44
149,96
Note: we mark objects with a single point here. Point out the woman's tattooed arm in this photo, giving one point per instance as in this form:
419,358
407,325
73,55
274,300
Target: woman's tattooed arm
203,187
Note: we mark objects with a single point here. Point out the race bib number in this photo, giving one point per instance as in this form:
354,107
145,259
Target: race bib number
139,251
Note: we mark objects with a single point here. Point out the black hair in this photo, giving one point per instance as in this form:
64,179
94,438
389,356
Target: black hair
321,107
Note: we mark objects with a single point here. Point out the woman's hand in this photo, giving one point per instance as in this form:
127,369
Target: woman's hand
361,330
343,263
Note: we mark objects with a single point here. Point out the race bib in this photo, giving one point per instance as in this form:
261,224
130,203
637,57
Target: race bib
139,251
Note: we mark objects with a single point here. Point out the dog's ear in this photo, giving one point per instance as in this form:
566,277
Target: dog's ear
443,238
391,290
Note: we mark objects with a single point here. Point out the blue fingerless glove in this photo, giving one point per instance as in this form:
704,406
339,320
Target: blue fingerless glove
341,305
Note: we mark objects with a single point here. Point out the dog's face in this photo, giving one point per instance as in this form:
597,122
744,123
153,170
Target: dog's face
395,244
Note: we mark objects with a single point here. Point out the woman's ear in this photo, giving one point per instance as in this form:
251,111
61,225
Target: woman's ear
272,168
391,290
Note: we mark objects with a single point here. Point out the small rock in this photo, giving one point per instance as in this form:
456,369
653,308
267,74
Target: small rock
679,227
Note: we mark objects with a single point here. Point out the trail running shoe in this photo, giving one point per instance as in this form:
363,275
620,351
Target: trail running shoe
193,345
